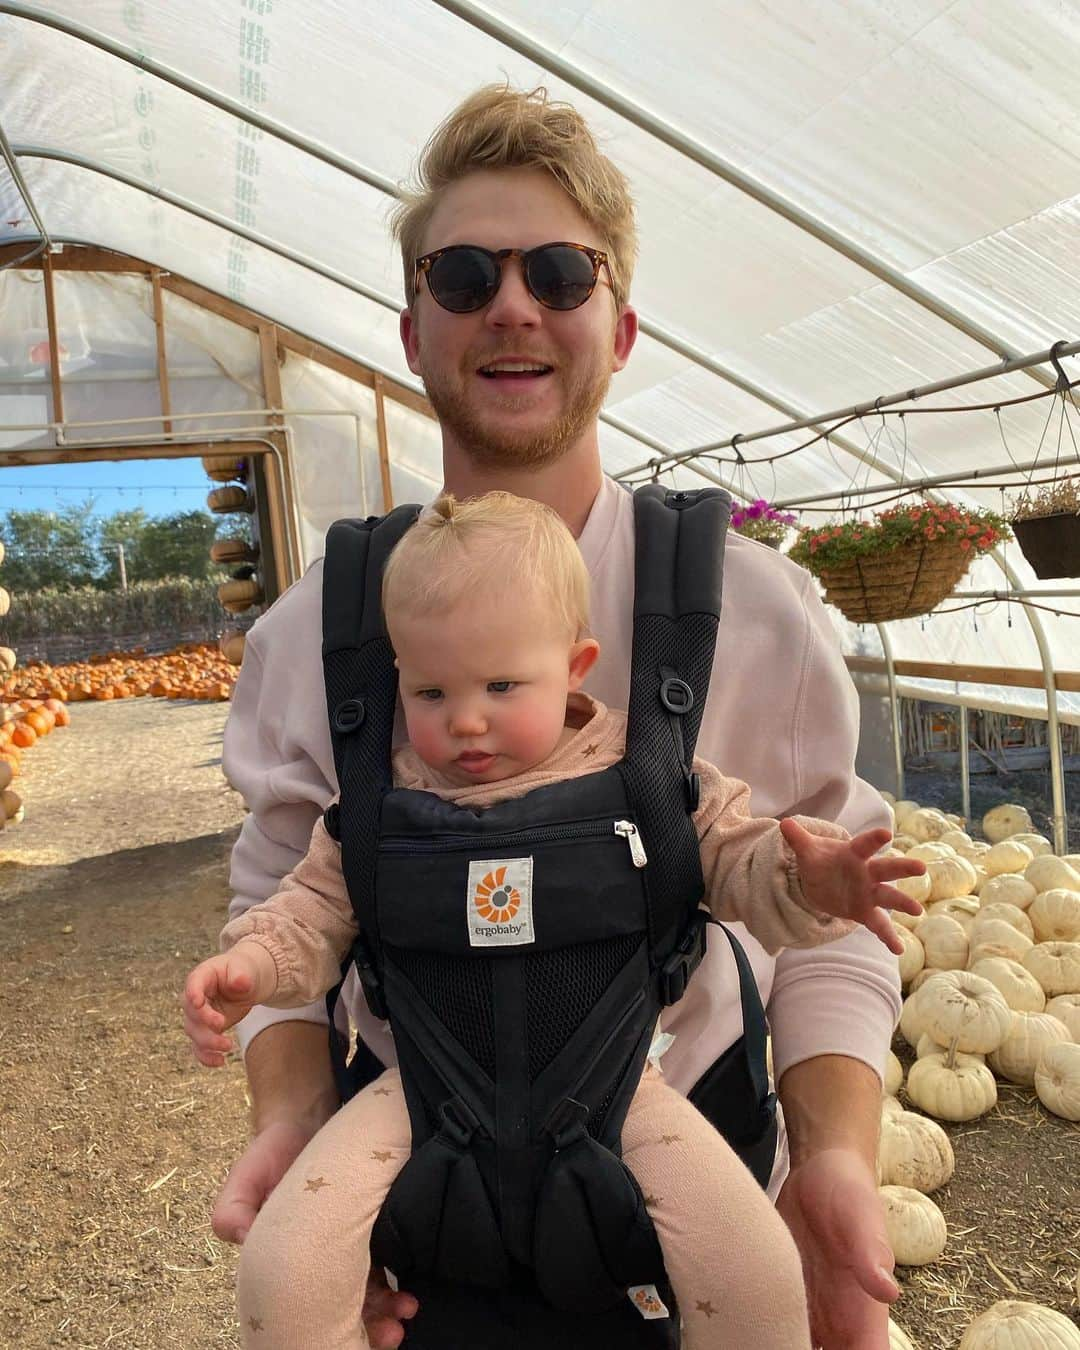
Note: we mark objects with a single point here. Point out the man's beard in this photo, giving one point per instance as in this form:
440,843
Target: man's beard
489,447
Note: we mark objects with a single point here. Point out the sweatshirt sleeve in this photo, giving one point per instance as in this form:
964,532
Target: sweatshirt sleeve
750,871
307,927
843,998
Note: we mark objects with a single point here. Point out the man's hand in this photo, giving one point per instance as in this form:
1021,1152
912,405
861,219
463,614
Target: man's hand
830,1203
222,990
253,1176
842,877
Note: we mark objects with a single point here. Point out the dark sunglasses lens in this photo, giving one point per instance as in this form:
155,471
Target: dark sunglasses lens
463,279
561,277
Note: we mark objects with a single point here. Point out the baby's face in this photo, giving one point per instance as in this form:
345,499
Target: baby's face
484,690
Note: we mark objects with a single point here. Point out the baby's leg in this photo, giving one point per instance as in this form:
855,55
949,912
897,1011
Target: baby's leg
304,1264
730,1257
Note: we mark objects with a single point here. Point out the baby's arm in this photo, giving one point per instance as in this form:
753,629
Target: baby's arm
753,874
299,936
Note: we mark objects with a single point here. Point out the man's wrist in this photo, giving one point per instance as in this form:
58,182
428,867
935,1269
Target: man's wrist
290,1078
830,1102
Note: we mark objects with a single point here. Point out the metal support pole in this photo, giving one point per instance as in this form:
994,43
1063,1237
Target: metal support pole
122,567
965,767
894,709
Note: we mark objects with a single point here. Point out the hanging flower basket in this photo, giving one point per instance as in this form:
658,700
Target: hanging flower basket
899,565
762,521
1047,528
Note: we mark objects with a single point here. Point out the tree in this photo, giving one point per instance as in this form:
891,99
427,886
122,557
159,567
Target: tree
49,548
176,546
122,529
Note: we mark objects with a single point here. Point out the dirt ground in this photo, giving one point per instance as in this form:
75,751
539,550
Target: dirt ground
113,1142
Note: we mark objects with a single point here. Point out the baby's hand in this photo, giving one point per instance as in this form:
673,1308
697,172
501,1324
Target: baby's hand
842,877
222,990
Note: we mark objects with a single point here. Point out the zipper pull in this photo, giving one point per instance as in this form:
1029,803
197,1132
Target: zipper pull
629,832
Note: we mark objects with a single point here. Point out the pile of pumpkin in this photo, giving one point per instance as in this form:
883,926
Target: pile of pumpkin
22,723
193,670
992,976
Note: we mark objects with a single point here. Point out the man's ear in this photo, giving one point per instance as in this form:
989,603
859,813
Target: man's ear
626,331
583,656
410,339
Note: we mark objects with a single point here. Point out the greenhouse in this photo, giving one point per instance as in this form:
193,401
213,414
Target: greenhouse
858,313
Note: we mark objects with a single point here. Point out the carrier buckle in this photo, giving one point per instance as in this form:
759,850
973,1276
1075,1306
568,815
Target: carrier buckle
684,960
370,983
566,1123
676,695
348,715
459,1124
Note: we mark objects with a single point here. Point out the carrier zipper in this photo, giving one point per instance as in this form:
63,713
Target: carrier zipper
629,832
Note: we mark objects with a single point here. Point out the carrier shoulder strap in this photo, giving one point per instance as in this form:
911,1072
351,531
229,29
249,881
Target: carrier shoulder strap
679,539
361,691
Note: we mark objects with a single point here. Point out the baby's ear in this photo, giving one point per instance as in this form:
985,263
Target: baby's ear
583,656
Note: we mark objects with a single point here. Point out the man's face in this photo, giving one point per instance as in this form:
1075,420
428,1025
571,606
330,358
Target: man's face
506,420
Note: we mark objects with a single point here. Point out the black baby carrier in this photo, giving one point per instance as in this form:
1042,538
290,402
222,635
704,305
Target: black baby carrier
523,954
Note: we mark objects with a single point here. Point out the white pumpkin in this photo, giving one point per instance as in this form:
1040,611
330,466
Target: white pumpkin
944,942
1010,914
914,1225
927,973
904,808
1018,1055
1056,965
928,1046
1048,873
911,1026
894,1075
930,852
974,851
1007,888
1008,856
956,839
1017,986
964,909
913,958
887,796
960,1091
959,822
1066,1008
904,842
890,1106
1038,843
898,1338
982,877
965,1012
1073,859
914,1151
950,877
1002,821
917,888
1013,1325
1057,1079
1055,915
995,937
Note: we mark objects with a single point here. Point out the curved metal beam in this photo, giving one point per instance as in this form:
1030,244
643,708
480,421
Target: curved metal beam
10,158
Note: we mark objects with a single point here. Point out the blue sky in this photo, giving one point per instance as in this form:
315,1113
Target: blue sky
161,487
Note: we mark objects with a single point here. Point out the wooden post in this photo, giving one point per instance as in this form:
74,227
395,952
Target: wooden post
279,493
162,366
54,342
384,445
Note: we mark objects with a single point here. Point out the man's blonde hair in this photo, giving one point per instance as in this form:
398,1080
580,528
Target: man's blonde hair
460,552
503,128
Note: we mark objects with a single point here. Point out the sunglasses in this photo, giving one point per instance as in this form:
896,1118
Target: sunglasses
465,277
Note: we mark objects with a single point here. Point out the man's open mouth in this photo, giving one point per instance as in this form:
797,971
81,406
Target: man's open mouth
514,370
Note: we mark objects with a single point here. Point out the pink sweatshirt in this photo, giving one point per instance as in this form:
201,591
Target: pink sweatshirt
782,716
749,870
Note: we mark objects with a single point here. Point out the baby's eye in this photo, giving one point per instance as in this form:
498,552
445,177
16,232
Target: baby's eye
429,695
500,686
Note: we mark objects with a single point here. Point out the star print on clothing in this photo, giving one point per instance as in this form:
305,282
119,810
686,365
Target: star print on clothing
589,751
706,1308
315,1184
255,1324
382,1092
380,1156
651,1200
671,1138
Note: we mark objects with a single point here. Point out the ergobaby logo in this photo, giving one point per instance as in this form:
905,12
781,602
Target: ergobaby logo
498,902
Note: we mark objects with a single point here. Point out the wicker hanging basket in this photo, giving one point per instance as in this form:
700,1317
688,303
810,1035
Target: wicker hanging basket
901,584
1051,544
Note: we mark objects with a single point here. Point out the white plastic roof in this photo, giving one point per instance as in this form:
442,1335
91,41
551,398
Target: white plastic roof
837,199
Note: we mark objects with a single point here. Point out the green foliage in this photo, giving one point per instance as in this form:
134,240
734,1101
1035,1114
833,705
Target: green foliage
830,545
49,548
179,604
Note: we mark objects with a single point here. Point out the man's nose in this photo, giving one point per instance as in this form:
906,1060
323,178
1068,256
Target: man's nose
513,306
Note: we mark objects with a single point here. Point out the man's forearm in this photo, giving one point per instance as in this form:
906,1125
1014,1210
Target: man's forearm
831,1101
289,1074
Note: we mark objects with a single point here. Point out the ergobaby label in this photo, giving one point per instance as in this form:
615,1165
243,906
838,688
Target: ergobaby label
498,902
647,1301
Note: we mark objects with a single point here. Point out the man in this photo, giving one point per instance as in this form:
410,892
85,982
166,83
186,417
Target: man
516,353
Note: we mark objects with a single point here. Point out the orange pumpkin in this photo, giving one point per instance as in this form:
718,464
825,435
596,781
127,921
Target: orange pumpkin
24,735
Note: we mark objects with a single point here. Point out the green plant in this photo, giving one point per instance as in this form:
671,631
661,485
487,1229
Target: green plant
832,545
1059,498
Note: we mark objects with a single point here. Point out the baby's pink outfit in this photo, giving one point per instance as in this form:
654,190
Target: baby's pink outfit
731,1260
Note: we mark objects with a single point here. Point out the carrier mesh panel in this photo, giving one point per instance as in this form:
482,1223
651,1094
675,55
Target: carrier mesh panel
562,986
457,989
595,1124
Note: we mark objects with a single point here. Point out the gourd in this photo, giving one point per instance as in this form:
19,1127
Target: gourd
1014,1325
1055,915
926,823
1010,914
958,1090
1002,821
914,1225
1018,1055
944,942
1008,856
1056,965
915,1152
994,937
1008,888
1066,1008
965,1012
1017,986
913,958
963,908
1038,843
950,877
1048,872
894,1075
1057,1079
898,1338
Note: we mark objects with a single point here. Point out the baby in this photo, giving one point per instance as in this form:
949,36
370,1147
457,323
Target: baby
487,611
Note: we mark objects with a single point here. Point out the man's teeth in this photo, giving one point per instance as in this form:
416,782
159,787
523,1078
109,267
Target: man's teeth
513,368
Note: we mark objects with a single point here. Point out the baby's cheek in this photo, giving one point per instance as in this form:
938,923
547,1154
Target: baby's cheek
424,737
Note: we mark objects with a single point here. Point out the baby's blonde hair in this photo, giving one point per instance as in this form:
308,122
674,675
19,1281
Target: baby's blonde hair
461,552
